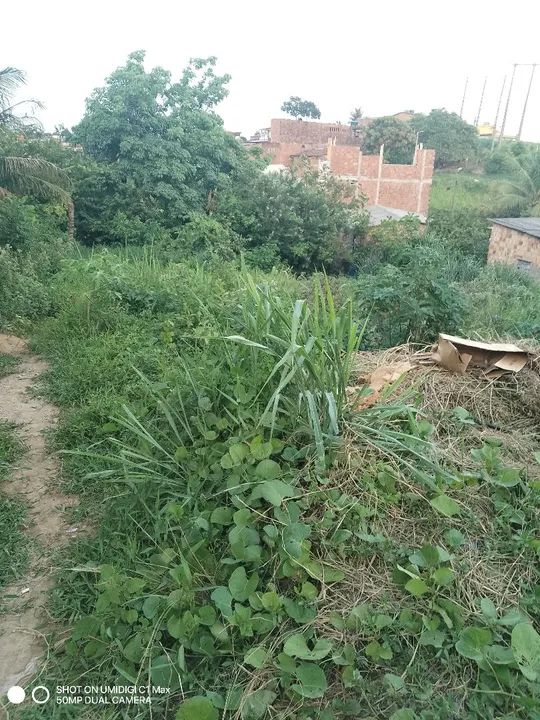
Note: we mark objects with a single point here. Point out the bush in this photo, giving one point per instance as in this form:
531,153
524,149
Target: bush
205,239
504,301
32,243
457,257
463,231
302,220
404,305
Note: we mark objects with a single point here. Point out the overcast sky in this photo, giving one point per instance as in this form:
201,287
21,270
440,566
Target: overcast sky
381,56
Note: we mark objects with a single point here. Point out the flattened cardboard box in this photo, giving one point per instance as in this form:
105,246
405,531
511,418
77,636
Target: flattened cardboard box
458,354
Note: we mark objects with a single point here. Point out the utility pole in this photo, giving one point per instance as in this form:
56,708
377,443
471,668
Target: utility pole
477,119
464,93
507,103
494,134
526,101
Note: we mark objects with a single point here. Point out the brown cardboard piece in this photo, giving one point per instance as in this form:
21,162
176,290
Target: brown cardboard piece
459,354
381,377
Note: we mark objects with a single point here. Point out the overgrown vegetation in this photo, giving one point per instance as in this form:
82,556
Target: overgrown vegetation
256,543
13,544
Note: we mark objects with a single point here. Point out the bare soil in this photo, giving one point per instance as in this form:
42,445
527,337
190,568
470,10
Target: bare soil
24,622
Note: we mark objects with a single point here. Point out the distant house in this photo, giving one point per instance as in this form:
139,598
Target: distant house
515,241
336,148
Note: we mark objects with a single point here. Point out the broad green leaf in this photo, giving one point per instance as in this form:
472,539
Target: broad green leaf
222,600
256,704
293,537
476,636
433,638
296,646
206,615
499,655
311,680
271,601
256,657
268,470
403,714
445,505
240,585
260,450
443,576
150,606
394,682
378,651
285,663
427,556
273,491
417,587
197,708
488,608
507,477
238,452
221,516
526,648
454,537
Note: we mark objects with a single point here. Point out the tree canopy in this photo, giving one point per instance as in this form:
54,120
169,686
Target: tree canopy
453,140
159,147
397,136
299,108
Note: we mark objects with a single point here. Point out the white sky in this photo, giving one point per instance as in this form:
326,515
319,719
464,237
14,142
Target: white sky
383,56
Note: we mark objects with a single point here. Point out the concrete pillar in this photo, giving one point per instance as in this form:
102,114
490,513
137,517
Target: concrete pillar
379,174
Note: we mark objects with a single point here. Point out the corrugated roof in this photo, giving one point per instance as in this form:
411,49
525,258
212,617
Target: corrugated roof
528,225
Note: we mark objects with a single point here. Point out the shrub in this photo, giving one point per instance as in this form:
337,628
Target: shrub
410,303
301,220
504,301
463,231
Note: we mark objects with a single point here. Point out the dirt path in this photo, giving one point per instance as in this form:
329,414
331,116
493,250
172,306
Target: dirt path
23,626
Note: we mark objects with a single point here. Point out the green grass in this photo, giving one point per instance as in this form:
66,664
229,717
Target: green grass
7,364
256,544
465,191
13,544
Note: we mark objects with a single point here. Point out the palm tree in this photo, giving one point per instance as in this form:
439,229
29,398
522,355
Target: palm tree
10,81
521,191
26,175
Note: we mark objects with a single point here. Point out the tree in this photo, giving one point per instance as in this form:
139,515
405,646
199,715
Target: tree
21,174
301,219
159,147
356,116
453,140
521,191
299,108
397,136
11,80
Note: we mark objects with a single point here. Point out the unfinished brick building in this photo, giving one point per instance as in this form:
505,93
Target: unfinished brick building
336,148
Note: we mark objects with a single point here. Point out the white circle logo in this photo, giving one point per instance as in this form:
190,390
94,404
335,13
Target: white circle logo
16,694
40,690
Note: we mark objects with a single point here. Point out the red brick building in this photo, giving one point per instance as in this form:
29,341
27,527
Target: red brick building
336,147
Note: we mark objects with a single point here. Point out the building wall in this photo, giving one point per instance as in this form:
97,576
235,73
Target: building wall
406,187
311,133
509,246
